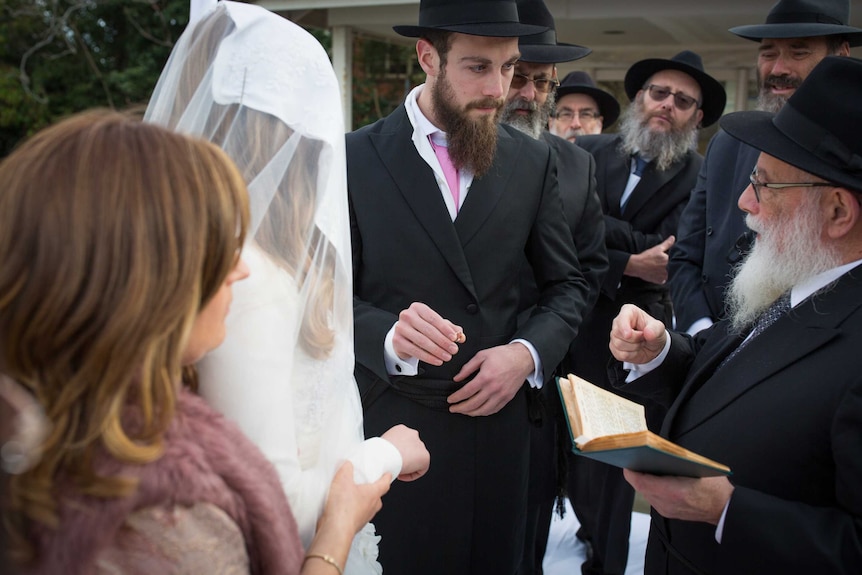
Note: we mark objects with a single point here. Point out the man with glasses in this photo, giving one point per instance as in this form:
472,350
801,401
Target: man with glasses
529,102
712,234
581,108
644,175
774,391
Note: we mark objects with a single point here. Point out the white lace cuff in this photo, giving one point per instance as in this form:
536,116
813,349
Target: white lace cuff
373,458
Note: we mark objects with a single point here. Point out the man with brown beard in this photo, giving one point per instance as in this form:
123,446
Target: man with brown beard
712,235
444,203
644,175
774,391
530,100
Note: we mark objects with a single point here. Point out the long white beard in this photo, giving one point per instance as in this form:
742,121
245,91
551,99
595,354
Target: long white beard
787,251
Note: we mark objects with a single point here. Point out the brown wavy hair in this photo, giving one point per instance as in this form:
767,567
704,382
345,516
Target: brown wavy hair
113,235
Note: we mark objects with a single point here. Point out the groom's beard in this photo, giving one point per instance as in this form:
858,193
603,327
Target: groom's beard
534,121
787,251
472,141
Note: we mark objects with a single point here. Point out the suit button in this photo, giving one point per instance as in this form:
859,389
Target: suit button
472,309
709,230
705,278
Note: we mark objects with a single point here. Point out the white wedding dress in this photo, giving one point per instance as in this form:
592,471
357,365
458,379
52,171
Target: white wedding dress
261,378
263,90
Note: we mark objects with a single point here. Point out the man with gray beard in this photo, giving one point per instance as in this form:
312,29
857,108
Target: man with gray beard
528,104
712,235
774,391
644,175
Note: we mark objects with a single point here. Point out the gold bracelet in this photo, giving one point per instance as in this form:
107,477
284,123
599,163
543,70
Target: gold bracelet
327,558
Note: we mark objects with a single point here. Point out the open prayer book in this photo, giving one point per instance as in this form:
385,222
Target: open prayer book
613,429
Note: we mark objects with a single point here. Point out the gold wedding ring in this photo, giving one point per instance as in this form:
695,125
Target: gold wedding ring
460,337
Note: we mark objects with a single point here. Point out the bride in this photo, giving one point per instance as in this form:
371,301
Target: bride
263,89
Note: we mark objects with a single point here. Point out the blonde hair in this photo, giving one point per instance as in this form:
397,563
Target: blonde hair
113,235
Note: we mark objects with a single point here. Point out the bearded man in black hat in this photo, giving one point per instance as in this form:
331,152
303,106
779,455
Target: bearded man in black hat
445,202
712,234
644,175
773,391
529,102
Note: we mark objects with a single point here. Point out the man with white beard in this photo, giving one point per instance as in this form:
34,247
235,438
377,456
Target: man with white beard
528,104
712,235
644,175
774,391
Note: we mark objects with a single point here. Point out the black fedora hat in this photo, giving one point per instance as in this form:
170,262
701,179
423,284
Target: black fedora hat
581,83
543,48
804,19
477,17
815,130
712,92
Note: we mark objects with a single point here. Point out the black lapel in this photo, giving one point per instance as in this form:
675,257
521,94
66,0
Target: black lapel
809,326
617,168
418,186
485,192
651,182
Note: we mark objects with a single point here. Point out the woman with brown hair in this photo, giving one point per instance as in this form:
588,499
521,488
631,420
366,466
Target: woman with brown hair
120,244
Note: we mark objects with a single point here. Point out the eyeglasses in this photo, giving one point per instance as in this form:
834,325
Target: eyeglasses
660,94
569,115
543,85
775,186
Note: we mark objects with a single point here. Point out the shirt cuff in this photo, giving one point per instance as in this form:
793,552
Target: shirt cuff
537,378
719,529
394,364
373,458
637,370
699,325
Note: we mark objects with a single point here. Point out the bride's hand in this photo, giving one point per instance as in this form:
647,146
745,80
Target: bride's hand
414,455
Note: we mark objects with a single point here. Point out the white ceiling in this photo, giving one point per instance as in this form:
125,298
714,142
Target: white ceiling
619,31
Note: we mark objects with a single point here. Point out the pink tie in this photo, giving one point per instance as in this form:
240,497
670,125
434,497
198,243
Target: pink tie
449,171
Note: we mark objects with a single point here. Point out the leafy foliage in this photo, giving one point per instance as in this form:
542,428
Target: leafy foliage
58,57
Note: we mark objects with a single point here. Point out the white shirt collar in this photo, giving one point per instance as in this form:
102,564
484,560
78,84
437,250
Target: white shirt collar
811,285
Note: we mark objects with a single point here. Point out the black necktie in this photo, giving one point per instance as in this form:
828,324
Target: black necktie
778,308
640,165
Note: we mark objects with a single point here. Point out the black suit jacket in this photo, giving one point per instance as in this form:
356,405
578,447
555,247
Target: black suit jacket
711,224
651,215
472,502
786,415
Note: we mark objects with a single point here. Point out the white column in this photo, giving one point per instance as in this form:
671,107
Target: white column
342,62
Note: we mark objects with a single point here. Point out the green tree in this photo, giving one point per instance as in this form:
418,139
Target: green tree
58,57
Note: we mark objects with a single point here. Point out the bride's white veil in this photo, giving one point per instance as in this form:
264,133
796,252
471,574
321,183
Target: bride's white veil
264,90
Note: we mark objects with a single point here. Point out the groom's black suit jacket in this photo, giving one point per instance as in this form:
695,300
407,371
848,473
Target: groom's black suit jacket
467,514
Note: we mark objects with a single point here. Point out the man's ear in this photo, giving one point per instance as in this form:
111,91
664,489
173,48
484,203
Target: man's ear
843,212
699,115
428,57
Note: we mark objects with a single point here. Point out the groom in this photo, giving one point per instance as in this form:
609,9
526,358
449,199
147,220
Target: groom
445,202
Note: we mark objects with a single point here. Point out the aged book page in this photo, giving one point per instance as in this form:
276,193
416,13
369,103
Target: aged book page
612,429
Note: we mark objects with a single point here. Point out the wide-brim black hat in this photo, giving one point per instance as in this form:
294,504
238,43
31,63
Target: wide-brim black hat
497,18
581,83
815,130
543,48
804,19
712,92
